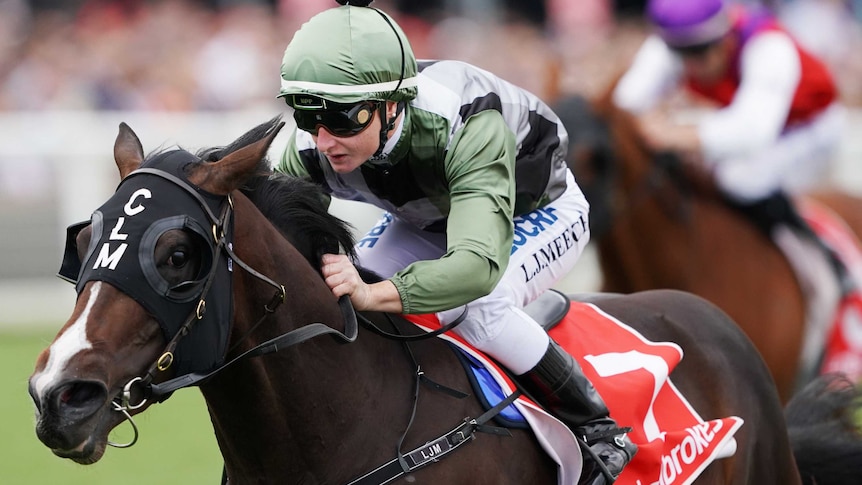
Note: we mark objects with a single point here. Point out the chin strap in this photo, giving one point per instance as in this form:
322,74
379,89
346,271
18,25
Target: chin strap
386,127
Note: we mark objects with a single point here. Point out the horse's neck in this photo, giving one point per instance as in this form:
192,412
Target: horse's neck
668,235
294,409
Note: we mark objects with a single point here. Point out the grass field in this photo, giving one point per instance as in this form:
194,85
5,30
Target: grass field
176,444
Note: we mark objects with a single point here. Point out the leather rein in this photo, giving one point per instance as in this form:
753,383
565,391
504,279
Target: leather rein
404,462
157,392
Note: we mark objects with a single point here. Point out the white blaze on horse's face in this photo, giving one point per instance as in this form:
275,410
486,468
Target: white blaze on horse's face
74,339
66,346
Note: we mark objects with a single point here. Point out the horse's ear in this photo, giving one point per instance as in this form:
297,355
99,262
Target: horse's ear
128,151
229,173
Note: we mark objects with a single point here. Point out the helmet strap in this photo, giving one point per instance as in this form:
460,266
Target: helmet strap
386,125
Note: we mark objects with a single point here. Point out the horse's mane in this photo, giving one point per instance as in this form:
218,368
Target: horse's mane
296,206
688,177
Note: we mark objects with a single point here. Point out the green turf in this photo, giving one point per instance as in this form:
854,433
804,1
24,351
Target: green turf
176,444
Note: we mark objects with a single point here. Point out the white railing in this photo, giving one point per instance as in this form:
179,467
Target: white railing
57,167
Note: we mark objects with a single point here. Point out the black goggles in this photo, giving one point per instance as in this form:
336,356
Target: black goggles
341,120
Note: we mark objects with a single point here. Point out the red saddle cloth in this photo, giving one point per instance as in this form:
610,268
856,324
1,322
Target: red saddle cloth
632,373
843,351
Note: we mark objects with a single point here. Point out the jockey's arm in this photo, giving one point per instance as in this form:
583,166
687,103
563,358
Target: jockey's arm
770,71
654,73
479,168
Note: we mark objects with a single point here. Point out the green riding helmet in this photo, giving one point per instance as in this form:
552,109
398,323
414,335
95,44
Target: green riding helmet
346,55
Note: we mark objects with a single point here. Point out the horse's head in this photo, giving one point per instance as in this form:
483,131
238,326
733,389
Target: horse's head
153,283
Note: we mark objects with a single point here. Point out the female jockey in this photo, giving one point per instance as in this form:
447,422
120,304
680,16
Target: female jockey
778,122
482,211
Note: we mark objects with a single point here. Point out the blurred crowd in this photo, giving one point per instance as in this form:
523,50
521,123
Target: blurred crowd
179,55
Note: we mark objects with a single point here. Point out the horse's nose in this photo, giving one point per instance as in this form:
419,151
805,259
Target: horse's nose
35,397
71,401
64,410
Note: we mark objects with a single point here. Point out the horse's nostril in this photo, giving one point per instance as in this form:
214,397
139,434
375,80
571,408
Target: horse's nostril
79,397
79,393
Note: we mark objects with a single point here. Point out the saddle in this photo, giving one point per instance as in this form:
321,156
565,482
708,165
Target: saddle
609,351
549,308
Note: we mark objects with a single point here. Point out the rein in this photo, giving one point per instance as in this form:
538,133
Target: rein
433,450
411,338
293,337
158,392
403,463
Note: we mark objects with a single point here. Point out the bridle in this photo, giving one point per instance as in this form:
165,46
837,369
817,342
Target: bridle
149,390
124,402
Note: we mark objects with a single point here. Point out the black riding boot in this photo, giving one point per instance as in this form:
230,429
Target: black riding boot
558,383
776,210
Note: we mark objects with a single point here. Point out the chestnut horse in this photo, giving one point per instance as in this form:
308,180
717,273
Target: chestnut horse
661,223
225,237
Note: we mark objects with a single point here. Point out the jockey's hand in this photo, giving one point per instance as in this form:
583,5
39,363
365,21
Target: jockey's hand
343,279
661,133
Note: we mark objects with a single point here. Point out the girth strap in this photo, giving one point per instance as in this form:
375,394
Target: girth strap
434,450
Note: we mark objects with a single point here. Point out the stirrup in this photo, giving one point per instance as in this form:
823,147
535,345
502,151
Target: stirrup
615,437
618,434
597,461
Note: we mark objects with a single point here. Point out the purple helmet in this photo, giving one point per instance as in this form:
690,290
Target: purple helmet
684,23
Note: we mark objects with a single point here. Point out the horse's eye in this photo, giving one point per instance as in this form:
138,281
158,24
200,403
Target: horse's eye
178,259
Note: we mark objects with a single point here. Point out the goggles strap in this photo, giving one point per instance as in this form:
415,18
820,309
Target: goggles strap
386,125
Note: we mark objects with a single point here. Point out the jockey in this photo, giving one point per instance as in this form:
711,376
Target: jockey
778,120
482,213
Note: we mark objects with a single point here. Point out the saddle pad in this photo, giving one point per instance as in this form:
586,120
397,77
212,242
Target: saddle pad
631,374
488,391
843,348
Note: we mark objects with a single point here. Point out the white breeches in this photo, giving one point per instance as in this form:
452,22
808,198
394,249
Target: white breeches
547,243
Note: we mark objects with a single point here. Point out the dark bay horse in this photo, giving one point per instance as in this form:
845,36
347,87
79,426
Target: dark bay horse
659,223
222,236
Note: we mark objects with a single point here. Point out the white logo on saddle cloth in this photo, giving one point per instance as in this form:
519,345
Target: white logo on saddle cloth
631,373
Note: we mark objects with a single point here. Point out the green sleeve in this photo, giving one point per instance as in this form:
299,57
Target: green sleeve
480,171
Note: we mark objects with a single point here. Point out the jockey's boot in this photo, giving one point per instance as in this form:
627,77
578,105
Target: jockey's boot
777,209
558,383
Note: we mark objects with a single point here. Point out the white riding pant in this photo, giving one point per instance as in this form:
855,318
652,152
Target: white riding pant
799,160
547,243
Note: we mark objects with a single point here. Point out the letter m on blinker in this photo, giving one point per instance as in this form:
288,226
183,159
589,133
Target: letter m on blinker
107,259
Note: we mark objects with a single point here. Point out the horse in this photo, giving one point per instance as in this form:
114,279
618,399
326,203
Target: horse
660,222
298,392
